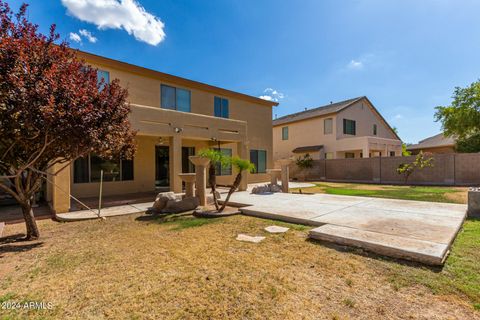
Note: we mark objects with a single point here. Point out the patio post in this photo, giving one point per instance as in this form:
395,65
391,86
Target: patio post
284,163
201,164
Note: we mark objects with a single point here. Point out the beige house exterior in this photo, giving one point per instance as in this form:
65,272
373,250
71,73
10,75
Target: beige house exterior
435,144
348,129
175,117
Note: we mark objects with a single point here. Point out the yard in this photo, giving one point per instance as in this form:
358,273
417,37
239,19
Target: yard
139,267
419,193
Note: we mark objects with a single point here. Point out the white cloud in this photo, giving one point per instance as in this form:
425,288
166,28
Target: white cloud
355,65
119,14
398,117
272,95
87,34
75,37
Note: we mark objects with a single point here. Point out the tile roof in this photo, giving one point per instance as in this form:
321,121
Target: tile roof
438,140
315,112
307,148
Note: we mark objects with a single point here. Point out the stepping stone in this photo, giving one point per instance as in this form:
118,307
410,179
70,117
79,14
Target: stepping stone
247,238
276,229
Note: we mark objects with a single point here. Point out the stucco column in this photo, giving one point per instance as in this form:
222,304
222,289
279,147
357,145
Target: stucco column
175,163
59,188
242,150
189,179
201,164
366,152
284,163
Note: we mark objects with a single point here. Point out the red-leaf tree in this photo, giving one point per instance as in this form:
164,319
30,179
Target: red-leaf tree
52,110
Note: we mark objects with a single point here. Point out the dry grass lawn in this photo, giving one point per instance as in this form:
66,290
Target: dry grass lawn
132,267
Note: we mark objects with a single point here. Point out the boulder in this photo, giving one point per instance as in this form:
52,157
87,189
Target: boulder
266,188
162,199
177,206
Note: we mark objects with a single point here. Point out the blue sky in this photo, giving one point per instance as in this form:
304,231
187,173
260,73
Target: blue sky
405,55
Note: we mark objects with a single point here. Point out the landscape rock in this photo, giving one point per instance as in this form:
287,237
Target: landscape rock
267,188
276,229
247,238
474,202
185,204
162,199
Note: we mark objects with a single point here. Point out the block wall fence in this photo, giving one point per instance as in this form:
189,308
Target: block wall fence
460,169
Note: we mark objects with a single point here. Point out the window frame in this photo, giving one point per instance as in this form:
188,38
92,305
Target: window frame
352,127
330,120
175,98
100,76
256,162
222,110
89,170
375,129
285,133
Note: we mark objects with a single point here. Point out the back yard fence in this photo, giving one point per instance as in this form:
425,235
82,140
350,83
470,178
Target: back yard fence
462,169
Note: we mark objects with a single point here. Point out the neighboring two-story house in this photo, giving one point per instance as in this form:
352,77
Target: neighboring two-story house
348,129
175,118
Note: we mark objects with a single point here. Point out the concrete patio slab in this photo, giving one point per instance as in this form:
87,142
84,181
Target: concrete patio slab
106,212
415,230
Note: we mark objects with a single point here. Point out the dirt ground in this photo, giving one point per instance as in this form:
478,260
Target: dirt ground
137,267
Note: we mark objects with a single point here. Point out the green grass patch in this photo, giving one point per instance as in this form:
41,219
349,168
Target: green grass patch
460,275
419,193
185,222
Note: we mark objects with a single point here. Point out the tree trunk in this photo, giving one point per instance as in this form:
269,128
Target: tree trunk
31,224
213,184
234,187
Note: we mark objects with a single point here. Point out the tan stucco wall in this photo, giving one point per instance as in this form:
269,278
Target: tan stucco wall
311,132
249,124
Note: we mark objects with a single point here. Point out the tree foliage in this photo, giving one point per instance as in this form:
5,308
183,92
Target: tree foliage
462,118
304,162
52,109
421,161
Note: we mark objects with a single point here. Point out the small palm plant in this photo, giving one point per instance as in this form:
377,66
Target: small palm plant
216,157
241,165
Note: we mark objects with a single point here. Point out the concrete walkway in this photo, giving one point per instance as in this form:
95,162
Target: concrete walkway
105,212
414,230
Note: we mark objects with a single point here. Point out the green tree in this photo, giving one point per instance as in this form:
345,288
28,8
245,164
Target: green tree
241,165
216,157
421,161
461,119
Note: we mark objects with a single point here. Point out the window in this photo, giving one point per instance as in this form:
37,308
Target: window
187,165
175,98
374,129
329,155
220,107
392,153
88,169
285,133
224,171
102,75
328,126
259,159
349,127
349,155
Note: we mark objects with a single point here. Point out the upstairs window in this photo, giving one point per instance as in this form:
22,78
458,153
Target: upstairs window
374,129
259,159
175,98
285,133
349,127
102,75
328,126
220,108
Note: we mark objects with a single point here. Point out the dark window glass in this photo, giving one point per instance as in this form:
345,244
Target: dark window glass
168,97
285,133
111,169
187,165
80,170
221,108
259,159
227,170
127,170
374,129
392,153
349,127
183,100
349,155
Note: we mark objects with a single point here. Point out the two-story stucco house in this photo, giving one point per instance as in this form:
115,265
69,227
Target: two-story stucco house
175,118
348,129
